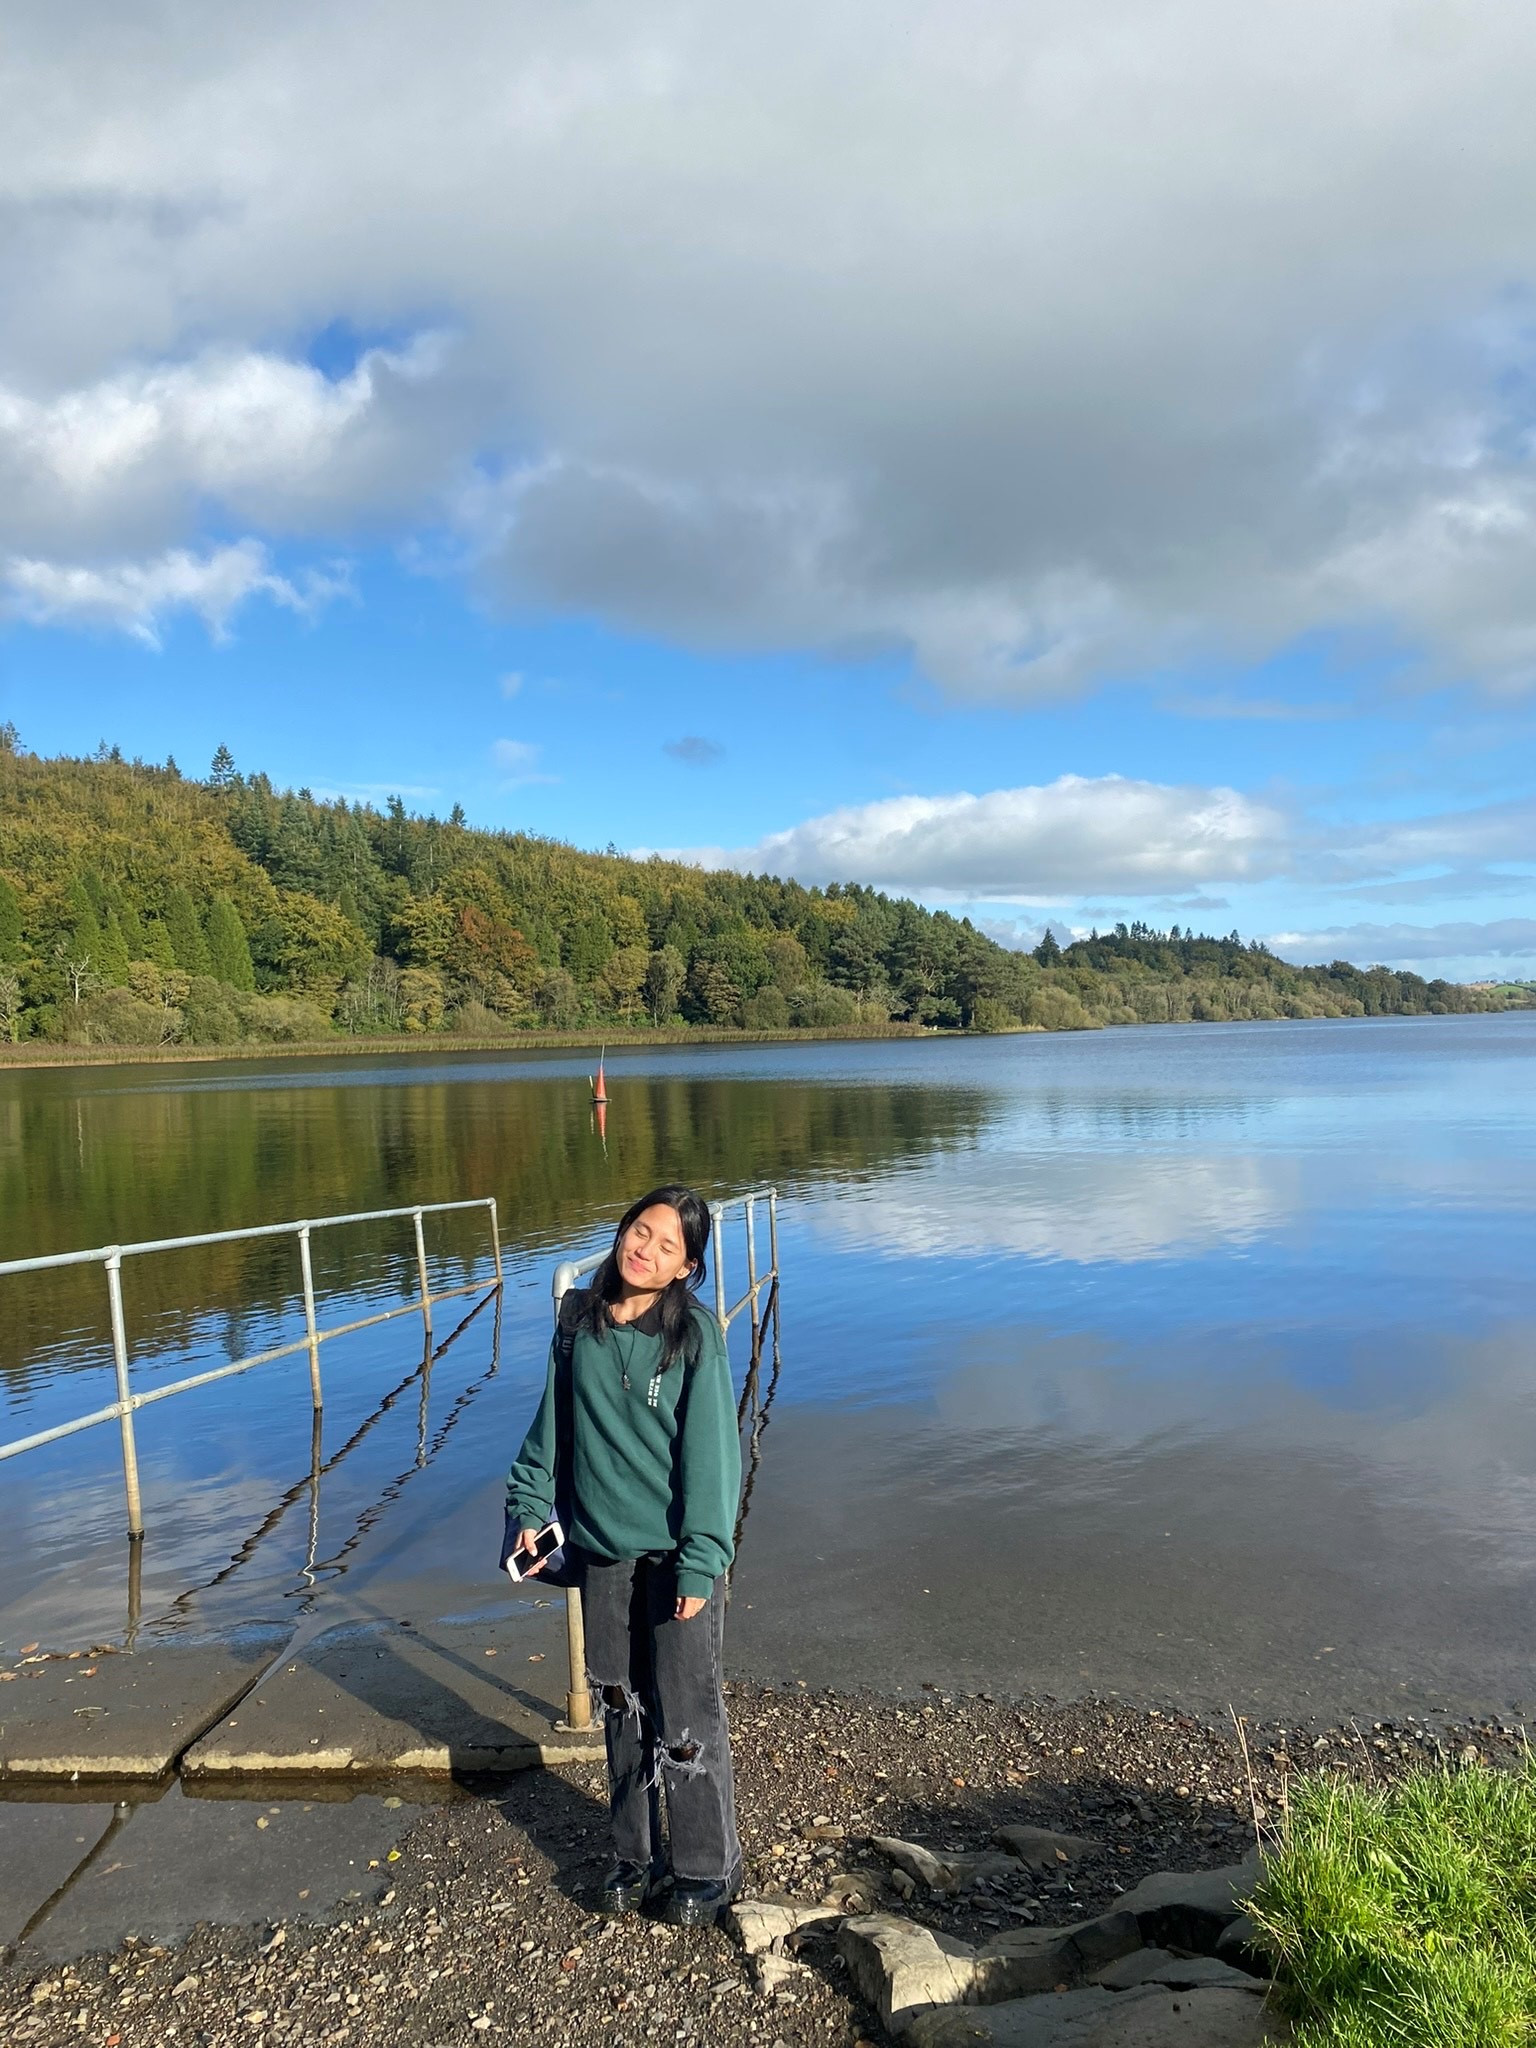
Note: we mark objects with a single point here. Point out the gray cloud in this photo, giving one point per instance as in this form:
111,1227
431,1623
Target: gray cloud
1458,840
1408,945
1460,885
1035,345
694,751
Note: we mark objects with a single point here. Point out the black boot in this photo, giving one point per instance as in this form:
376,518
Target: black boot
698,1901
624,1890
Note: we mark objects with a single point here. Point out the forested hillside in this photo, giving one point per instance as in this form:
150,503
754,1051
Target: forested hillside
141,907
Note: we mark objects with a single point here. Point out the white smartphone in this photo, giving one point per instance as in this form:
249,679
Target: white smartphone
549,1539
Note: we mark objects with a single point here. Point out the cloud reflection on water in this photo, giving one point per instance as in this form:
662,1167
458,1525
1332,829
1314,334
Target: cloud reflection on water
1092,1208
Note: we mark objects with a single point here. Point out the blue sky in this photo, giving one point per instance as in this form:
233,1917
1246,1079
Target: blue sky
1032,500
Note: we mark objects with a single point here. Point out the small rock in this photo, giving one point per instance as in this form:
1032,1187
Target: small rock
771,1973
762,1925
850,1891
1041,1850
943,1874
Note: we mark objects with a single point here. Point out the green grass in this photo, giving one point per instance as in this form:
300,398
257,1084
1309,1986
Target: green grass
1405,1914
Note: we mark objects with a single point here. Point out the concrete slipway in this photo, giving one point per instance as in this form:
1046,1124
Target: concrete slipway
365,1699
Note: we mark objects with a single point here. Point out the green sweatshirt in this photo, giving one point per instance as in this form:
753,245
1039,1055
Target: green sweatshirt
655,1466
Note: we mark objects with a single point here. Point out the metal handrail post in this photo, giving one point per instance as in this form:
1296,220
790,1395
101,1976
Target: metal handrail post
717,1250
114,1264
578,1694
311,1328
578,1698
751,1205
495,1236
773,1229
135,1588
421,1268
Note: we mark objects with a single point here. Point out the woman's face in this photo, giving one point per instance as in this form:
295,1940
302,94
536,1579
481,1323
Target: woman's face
651,1252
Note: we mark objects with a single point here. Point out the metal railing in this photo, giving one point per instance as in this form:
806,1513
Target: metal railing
578,1700
123,1409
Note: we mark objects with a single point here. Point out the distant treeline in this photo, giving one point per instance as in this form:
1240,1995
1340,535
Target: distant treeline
141,907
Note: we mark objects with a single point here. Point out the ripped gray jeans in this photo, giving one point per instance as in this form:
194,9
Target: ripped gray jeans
656,1681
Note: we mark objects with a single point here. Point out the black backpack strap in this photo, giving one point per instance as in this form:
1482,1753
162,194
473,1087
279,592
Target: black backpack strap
565,1356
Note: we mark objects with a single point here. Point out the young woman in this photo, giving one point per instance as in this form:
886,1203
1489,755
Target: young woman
652,1471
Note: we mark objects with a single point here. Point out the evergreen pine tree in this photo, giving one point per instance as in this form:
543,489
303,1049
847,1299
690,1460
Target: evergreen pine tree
188,949
132,927
229,952
111,958
83,939
222,773
157,944
10,922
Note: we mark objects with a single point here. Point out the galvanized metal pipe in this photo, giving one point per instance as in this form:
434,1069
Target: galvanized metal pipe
148,1398
421,1268
752,1262
578,1695
124,1394
717,1252
312,1335
578,1700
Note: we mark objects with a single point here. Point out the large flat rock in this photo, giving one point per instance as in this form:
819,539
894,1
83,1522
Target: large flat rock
1149,2018
379,1698
129,1714
902,1968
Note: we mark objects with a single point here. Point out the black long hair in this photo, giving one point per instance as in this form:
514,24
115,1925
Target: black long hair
679,1331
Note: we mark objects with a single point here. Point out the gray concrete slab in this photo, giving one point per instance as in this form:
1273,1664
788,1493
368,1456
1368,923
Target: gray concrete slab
41,1848
128,1714
86,1876
372,1699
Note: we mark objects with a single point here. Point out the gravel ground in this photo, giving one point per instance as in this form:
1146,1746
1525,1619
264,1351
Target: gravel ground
480,1930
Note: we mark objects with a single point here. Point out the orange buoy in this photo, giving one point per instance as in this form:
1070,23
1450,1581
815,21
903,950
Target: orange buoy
599,1085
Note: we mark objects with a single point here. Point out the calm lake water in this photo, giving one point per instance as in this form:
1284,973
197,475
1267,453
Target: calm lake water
1193,1362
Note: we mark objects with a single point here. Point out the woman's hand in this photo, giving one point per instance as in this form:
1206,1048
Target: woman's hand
687,1607
528,1541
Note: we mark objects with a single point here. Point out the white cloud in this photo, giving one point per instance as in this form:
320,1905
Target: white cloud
511,684
268,439
1431,947
139,597
1047,344
1057,840
517,763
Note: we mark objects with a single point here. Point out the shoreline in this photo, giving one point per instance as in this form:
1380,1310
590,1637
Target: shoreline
475,1905
410,1044
48,1056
